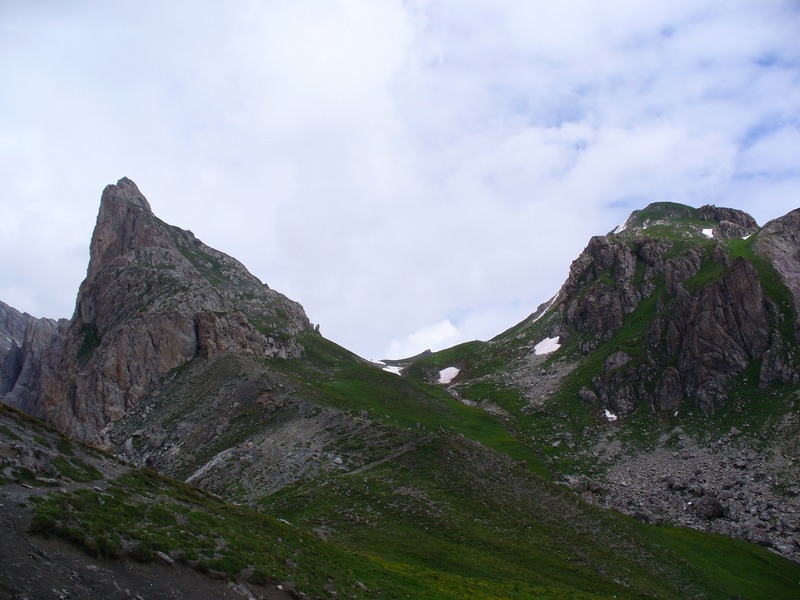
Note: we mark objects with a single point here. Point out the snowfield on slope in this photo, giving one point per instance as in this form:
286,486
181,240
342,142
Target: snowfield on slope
547,345
447,375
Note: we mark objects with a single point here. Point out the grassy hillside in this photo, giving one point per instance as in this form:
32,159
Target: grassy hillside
449,519
446,517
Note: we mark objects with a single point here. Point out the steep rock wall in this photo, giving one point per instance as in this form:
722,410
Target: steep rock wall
154,298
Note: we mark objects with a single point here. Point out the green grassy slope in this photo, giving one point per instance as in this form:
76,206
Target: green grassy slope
446,518
331,375
449,519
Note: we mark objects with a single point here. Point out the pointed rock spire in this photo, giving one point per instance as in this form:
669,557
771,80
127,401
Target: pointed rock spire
125,222
154,298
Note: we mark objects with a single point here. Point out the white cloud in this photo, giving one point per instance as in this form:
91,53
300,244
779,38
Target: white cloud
434,160
434,337
775,153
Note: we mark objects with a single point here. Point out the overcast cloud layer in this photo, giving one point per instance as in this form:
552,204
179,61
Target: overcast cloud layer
416,174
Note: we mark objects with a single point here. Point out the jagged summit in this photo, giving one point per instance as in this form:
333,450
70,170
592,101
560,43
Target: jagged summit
125,190
154,298
708,220
124,222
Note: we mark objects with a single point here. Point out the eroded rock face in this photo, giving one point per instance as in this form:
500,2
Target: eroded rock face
712,318
601,311
670,390
730,222
26,348
723,329
154,297
12,331
779,242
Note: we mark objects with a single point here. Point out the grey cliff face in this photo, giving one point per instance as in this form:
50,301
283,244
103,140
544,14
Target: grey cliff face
720,331
709,317
779,243
12,331
26,344
154,298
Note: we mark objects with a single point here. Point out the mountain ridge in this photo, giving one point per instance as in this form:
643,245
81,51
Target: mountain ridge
178,359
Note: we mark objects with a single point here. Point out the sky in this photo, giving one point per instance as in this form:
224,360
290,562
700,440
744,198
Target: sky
415,173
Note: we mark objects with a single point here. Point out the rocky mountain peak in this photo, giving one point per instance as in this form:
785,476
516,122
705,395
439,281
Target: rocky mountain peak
126,191
708,220
154,298
702,315
125,222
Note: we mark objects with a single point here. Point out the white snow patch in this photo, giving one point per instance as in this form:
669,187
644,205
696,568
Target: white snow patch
387,368
620,228
747,237
610,416
447,375
708,233
546,308
546,346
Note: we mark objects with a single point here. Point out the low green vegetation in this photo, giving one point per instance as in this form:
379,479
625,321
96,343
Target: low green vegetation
147,514
404,402
75,469
448,520
671,213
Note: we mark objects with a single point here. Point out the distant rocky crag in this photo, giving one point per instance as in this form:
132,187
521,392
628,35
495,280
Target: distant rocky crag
695,279
154,297
680,334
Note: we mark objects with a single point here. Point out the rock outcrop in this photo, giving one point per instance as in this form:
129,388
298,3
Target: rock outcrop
12,332
26,346
779,243
702,315
729,221
154,298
